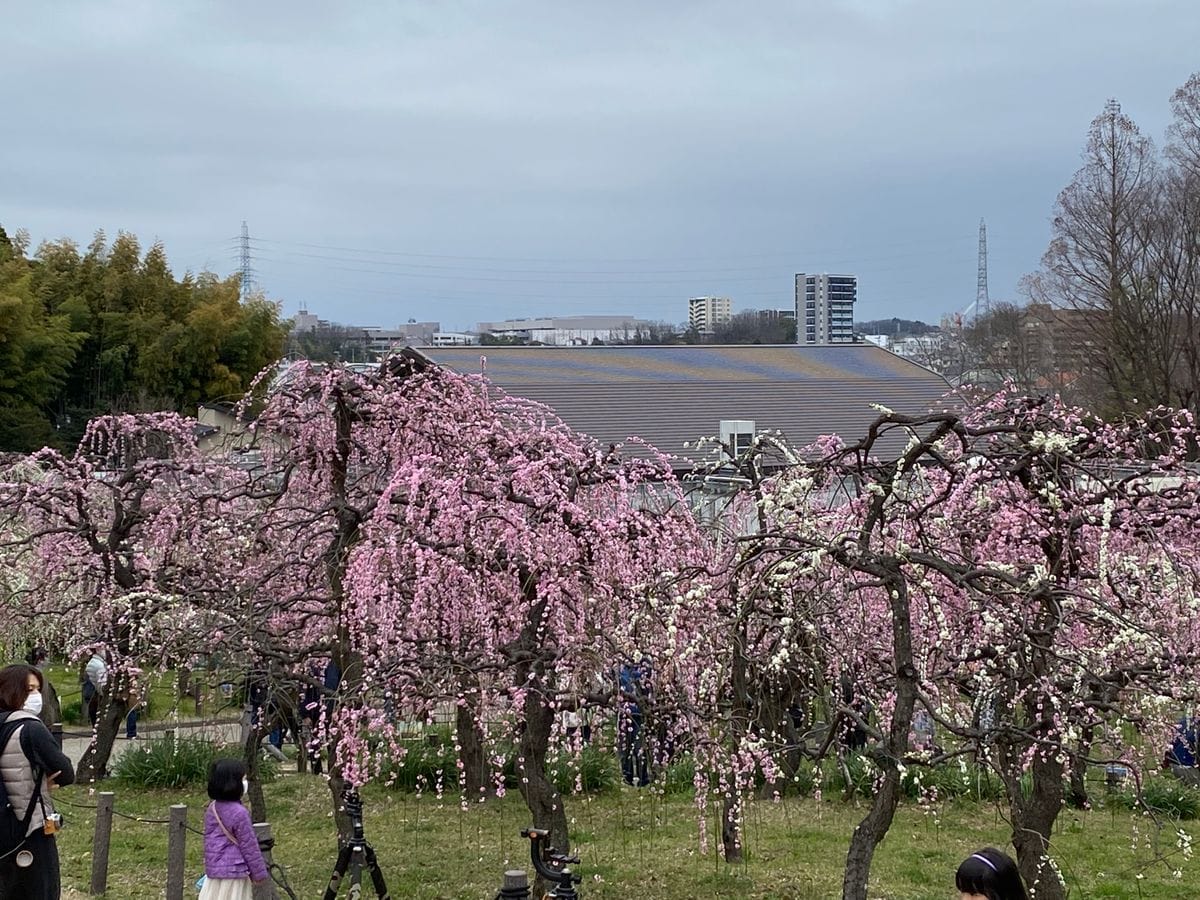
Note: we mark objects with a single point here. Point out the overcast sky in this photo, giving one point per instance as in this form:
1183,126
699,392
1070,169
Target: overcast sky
468,161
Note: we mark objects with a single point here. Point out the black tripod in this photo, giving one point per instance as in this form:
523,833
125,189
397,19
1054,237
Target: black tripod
354,854
552,865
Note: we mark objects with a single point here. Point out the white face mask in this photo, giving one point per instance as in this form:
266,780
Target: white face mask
33,703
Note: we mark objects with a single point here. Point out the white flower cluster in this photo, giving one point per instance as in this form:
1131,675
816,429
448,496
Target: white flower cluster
1051,442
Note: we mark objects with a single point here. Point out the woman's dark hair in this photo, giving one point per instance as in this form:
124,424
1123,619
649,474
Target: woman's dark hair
14,685
225,779
992,874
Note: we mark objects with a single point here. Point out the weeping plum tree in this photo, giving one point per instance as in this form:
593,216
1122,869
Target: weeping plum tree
1021,573
114,547
446,545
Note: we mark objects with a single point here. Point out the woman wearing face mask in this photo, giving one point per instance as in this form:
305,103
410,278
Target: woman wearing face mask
32,766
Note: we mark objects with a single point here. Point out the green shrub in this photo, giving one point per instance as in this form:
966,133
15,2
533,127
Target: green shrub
428,760
596,770
72,713
970,782
861,773
679,778
1167,796
162,763
804,781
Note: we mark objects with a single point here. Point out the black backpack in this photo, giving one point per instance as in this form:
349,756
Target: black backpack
14,824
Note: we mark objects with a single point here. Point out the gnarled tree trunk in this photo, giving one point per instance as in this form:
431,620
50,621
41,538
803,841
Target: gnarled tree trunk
93,765
871,830
1033,816
470,752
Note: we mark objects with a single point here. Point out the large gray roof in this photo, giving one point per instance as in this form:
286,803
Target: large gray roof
673,395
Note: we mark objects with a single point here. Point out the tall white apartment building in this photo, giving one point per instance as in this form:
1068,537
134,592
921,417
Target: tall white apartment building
706,313
825,308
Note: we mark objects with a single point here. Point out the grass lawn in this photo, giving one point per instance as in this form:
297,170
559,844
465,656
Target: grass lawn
633,844
164,702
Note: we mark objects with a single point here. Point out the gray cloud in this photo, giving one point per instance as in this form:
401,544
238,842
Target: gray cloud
601,156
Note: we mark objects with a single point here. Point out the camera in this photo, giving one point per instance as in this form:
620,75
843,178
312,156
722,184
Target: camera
54,823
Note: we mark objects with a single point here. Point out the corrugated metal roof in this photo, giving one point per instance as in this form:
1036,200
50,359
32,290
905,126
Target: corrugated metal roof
669,396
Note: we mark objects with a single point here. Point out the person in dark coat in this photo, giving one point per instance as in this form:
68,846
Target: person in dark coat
51,714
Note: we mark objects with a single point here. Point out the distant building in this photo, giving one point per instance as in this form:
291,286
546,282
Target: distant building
420,332
825,308
568,331
452,339
304,321
706,313
775,315
924,348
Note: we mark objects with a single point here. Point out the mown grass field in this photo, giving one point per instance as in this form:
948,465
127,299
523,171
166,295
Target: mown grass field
162,694
633,844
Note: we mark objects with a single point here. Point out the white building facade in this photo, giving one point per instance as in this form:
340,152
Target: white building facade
568,331
706,313
825,308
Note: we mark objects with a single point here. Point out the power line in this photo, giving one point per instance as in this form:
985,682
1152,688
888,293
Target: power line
367,251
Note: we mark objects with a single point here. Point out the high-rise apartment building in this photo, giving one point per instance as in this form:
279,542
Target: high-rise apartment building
825,308
706,313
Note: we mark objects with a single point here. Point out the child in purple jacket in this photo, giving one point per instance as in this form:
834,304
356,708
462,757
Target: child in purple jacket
231,855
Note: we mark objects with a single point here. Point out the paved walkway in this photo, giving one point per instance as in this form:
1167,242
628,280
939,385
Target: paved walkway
227,730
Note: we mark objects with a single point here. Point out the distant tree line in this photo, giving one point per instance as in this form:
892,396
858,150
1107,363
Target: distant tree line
894,326
111,329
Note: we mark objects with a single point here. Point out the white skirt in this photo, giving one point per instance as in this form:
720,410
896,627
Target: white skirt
227,889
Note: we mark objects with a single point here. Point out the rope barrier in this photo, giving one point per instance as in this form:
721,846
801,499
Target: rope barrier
142,819
58,800
277,871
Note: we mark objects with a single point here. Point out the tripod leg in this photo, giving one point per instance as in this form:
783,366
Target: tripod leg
356,864
376,874
339,870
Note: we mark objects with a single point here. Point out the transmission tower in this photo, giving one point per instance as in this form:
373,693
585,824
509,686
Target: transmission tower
246,269
981,288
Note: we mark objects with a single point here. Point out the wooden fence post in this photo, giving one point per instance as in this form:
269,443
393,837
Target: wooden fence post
176,844
100,841
265,890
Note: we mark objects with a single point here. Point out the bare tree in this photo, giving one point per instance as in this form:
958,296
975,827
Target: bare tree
1126,258
1099,258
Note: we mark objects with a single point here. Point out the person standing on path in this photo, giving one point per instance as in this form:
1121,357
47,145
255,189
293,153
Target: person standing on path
95,680
137,699
31,766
